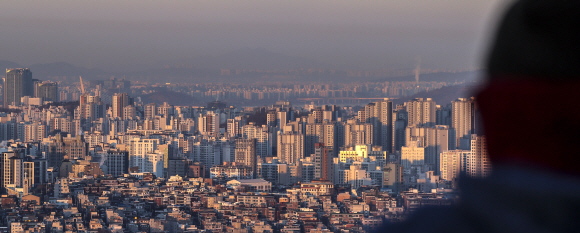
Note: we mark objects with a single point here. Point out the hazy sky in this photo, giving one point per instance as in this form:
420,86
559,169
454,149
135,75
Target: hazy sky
132,34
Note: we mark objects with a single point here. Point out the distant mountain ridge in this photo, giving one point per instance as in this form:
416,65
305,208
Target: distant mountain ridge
249,59
207,68
7,65
64,69
47,70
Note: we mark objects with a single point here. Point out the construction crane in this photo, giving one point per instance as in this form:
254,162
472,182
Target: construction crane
82,86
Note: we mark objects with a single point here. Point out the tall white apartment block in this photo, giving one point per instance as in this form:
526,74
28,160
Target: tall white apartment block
412,155
478,163
290,147
139,148
421,112
263,138
380,115
462,121
451,163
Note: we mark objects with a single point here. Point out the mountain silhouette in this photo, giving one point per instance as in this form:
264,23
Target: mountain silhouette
47,70
8,64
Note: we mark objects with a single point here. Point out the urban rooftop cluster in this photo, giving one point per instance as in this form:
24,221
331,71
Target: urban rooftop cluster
112,163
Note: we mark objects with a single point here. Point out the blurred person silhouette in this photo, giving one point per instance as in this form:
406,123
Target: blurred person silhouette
530,110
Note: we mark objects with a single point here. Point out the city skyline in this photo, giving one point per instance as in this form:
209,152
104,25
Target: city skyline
306,116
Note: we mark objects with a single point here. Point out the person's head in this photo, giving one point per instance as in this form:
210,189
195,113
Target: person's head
531,103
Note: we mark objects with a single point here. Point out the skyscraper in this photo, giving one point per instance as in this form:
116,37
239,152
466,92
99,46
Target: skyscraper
322,163
209,124
290,147
120,101
462,122
263,137
12,169
380,115
435,140
477,164
421,112
356,133
150,110
47,90
323,133
246,154
18,83
450,164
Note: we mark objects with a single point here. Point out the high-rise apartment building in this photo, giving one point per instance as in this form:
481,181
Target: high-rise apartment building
209,124
6,173
139,149
477,164
399,129
282,118
17,83
290,147
356,133
129,112
435,140
443,115
120,101
91,107
275,172
393,177
462,121
322,163
421,112
13,170
412,155
166,110
57,147
150,110
380,115
34,132
246,154
263,138
234,126
451,164
47,90
116,163
321,133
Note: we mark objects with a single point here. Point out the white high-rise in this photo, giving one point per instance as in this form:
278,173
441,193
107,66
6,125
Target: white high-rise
263,138
320,133
380,115
478,163
139,148
421,112
356,133
412,155
120,101
435,140
290,147
209,124
462,121
451,163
